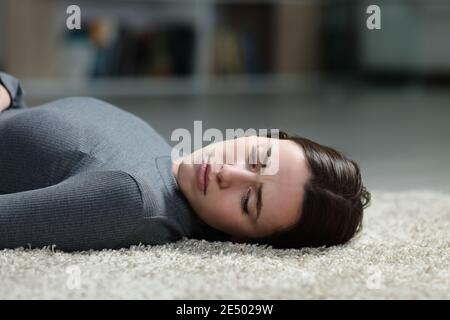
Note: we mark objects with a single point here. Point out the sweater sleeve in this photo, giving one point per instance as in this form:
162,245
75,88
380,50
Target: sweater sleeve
90,210
15,90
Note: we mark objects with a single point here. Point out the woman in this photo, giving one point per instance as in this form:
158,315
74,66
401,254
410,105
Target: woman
82,174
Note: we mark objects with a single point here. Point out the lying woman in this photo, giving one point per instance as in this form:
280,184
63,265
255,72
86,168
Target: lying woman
82,174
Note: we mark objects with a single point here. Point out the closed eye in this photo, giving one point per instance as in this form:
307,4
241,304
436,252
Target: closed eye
244,201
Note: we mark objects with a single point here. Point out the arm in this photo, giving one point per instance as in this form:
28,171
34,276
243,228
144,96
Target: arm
90,210
12,94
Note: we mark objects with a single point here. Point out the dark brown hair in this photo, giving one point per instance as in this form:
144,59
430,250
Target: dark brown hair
333,202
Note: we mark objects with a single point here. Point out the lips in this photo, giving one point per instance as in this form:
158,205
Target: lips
202,177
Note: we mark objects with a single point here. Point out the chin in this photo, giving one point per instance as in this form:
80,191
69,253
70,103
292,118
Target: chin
183,177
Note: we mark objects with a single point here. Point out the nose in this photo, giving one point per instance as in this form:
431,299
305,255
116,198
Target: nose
230,175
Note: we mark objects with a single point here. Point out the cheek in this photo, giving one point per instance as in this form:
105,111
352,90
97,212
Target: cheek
222,209
185,176
235,151
229,151
222,204
214,152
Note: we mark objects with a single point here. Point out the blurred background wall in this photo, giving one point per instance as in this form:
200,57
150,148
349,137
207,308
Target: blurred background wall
309,67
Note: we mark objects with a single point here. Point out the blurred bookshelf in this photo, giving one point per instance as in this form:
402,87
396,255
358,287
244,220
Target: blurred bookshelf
207,47
176,47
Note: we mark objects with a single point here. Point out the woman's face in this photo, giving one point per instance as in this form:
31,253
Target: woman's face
254,185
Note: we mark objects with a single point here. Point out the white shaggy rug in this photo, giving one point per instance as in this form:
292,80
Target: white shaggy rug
402,253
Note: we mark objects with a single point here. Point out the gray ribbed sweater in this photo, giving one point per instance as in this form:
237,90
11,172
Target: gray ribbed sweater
83,174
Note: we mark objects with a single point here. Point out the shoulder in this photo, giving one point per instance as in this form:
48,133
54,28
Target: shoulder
82,101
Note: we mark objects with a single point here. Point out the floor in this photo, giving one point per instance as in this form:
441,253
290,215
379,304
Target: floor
402,253
400,136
